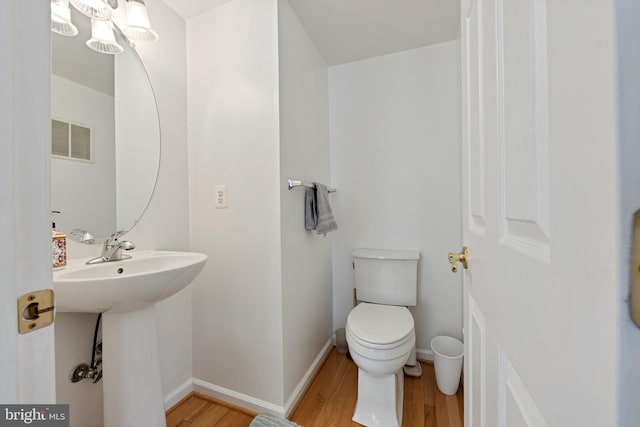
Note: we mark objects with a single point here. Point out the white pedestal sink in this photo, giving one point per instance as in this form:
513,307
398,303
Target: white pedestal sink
125,291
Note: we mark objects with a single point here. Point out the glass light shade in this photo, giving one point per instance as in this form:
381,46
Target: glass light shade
102,38
96,9
138,26
61,18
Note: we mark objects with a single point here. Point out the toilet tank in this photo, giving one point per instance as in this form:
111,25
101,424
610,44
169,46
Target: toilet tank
386,277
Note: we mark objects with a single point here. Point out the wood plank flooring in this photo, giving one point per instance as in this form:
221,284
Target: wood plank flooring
330,400
201,411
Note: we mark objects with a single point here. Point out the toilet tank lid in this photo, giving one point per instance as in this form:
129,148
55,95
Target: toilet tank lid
385,254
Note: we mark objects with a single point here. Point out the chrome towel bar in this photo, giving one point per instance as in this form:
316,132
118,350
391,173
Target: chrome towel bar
295,183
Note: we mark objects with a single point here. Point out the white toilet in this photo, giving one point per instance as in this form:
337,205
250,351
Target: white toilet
380,332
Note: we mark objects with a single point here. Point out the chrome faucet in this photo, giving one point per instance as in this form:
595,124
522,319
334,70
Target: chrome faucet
112,249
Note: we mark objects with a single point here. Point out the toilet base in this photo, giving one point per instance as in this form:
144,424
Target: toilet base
379,399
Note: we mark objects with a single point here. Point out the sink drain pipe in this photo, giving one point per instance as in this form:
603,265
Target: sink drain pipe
93,371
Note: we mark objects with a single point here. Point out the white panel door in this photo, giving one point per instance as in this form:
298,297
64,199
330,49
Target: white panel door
538,213
26,361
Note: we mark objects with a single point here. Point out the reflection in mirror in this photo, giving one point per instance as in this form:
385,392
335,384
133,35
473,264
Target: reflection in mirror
105,135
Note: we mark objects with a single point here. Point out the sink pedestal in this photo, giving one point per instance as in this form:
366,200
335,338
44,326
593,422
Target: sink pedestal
125,292
133,394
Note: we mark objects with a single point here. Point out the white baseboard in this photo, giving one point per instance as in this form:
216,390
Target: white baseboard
178,393
260,406
245,401
307,378
257,405
424,354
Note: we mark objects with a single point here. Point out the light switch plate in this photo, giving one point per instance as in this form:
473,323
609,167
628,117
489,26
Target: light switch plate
220,196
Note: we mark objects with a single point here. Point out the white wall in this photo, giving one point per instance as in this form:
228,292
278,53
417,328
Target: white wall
91,206
304,154
395,160
165,224
74,338
232,67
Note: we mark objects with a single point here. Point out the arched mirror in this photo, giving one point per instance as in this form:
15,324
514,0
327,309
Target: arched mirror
105,135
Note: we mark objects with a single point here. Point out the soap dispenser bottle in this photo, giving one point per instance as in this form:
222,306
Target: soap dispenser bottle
58,246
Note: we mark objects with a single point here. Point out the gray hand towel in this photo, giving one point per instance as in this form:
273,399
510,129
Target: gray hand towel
325,221
310,211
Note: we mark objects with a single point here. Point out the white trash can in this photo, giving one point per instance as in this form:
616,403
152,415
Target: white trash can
447,358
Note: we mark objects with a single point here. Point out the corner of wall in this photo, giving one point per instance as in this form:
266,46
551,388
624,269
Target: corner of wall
234,140
304,155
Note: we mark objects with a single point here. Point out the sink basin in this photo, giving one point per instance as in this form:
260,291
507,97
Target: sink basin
121,286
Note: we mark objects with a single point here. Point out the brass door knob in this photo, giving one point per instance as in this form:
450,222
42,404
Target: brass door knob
455,258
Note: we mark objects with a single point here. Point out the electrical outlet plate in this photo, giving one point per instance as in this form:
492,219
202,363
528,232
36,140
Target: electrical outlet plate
220,195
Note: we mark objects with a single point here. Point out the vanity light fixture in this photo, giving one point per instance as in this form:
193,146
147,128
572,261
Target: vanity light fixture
61,18
102,38
101,13
138,26
95,9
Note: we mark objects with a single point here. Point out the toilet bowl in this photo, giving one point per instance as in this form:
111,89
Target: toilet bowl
380,338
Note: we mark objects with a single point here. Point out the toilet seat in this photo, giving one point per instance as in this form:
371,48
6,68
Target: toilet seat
379,326
380,337
379,347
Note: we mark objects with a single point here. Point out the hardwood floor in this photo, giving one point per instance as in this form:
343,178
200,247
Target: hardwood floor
330,401
201,411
